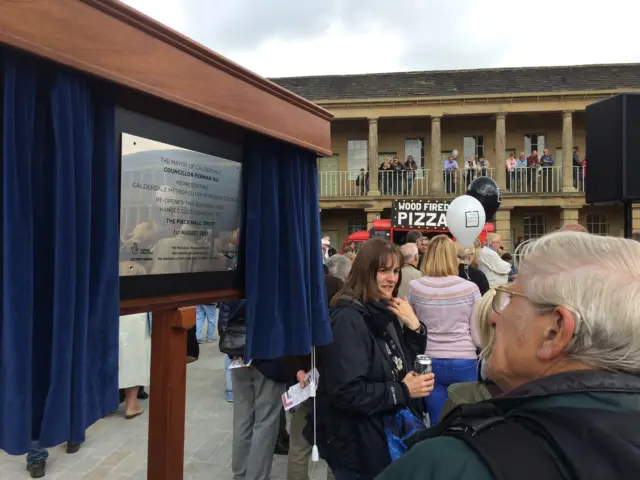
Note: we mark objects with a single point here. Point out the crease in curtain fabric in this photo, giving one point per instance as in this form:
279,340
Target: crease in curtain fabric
60,301
287,309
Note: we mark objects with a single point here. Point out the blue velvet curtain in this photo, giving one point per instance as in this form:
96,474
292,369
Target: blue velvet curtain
59,207
287,309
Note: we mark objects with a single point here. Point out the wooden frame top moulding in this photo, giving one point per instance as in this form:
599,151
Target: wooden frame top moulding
111,40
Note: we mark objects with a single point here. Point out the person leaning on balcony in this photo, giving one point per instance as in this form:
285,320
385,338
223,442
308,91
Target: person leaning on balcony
470,170
449,174
577,171
521,166
410,167
511,170
490,263
397,176
384,176
483,165
546,162
363,182
533,163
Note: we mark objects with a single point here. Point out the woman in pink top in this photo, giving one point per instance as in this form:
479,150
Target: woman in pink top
445,304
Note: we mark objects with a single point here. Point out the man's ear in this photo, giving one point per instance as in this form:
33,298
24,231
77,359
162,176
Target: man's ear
557,334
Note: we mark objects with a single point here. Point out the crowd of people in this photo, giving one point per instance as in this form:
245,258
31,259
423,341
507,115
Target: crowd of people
524,174
534,373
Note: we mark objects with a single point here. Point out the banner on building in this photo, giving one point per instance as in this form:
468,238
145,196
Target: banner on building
419,214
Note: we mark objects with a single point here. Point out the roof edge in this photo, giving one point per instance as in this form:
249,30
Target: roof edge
464,70
563,93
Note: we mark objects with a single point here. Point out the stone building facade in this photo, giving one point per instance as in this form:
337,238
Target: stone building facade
491,113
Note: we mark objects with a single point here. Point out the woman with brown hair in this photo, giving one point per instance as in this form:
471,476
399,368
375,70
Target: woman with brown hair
445,305
366,373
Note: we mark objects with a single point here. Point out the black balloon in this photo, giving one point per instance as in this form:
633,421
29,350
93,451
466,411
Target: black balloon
487,192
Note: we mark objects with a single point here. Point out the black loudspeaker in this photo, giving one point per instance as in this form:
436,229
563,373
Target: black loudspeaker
613,150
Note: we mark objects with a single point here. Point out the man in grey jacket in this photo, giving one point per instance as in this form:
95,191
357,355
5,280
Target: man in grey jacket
410,270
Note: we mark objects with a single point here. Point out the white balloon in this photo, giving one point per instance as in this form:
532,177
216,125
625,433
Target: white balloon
454,153
466,219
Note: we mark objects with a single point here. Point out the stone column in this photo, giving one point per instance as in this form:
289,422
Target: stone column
635,224
372,214
503,228
567,152
435,172
501,150
569,214
374,189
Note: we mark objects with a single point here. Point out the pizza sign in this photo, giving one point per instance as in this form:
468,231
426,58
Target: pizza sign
419,214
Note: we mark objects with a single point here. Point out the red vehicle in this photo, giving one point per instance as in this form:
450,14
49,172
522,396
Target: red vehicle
382,228
431,221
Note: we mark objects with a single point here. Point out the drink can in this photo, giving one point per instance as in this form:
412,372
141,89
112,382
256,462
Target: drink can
422,365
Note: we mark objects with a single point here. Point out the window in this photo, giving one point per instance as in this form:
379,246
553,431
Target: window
356,224
597,224
534,226
357,156
534,141
474,146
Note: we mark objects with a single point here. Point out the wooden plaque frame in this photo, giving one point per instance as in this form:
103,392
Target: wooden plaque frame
161,73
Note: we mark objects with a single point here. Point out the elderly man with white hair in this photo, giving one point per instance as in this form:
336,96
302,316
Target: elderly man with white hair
339,266
410,271
491,264
567,353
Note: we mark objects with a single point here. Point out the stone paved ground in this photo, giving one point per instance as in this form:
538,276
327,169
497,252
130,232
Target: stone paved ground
116,449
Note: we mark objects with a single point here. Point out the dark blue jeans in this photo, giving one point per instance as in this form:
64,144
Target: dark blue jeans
448,371
36,453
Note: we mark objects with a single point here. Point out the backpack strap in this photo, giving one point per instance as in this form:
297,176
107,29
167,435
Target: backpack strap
509,449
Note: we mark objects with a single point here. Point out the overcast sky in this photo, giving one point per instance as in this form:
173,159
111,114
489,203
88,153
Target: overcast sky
278,38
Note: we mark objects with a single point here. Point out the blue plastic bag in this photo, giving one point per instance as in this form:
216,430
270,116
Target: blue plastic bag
397,428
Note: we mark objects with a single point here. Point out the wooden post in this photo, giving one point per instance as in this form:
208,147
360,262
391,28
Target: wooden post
165,458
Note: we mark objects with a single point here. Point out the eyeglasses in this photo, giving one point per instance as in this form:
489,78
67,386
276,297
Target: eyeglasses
503,298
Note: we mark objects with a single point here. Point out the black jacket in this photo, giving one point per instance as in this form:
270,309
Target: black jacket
357,388
469,272
588,422
228,310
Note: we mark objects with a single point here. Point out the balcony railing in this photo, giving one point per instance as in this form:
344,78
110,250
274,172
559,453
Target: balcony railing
390,183
456,182
579,178
520,181
535,180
